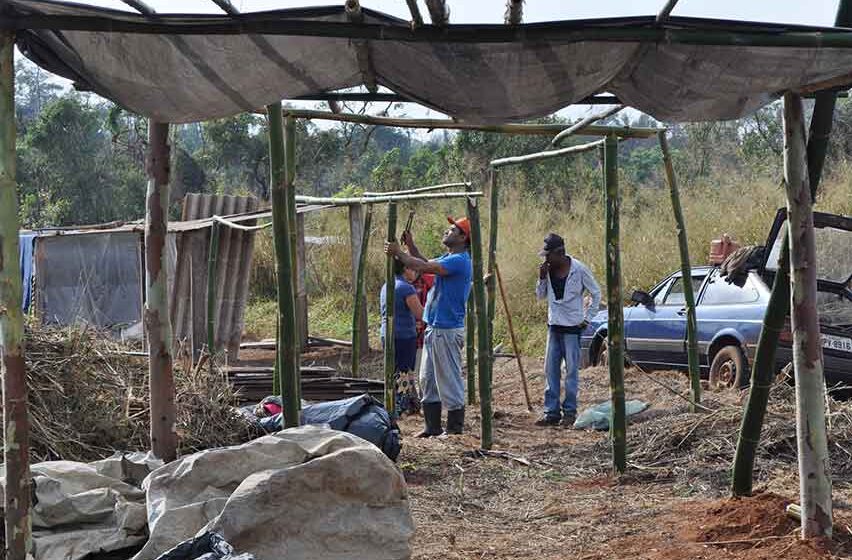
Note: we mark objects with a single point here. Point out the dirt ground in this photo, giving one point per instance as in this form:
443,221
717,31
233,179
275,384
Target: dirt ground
549,492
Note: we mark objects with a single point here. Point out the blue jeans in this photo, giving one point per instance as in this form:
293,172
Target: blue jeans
561,347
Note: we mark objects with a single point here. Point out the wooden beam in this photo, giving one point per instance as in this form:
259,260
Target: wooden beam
16,423
583,123
140,7
514,12
390,297
389,97
158,326
439,13
666,11
330,201
358,241
362,48
814,466
547,154
435,124
417,190
416,18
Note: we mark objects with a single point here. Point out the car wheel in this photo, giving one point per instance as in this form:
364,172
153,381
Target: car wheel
603,354
728,369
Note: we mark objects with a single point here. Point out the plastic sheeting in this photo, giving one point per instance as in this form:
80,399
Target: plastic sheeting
533,71
301,494
90,278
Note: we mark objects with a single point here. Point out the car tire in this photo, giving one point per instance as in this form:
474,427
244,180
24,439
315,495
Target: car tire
728,369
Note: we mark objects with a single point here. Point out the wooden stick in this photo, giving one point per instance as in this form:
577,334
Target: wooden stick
483,349
512,336
390,296
514,14
547,154
664,14
16,423
438,12
416,18
418,190
212,263
470,339
511,128
330,201
360,307
581,124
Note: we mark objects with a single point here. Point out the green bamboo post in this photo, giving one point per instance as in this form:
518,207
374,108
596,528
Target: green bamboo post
686,270
493,222
814,467
212,262
287,345
762,376
470,333
16,423
292,231
357,333
390,284
484,350
615,330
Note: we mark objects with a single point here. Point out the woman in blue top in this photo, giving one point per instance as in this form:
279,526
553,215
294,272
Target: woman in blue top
407,311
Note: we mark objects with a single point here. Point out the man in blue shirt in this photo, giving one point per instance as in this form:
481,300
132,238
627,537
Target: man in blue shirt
441,380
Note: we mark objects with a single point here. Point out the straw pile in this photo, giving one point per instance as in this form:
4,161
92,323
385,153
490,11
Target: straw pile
88,398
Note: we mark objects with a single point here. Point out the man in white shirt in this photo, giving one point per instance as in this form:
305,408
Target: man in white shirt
562,281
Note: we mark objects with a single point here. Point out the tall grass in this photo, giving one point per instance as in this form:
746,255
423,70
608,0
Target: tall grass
648,246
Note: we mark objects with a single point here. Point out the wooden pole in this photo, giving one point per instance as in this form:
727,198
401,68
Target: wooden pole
430,188
814,467
358,228
292,234
287,346
470,333
514,12
484,351
686,271
512,128
515,348
390,285
580,125
301,281
547,154
163,414
438,12
490,280
212,263
615,330
359,315
664,13
331,201
16,423
416,18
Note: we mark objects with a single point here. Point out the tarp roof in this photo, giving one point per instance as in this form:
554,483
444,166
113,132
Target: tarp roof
184,68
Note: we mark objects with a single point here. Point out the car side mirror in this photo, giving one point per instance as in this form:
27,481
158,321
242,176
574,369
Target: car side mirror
642,298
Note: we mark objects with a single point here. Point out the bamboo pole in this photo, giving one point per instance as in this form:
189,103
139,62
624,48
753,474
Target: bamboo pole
470,333
686,271
483,348
416,18
359,310
547,154
212,263
490,280
762,376
579,125
514,12
438,12
390,296
356,233
16,423
418,190
511,128
163,413
814,467
615,330
292,234
287,346
515,348
666,11
331,201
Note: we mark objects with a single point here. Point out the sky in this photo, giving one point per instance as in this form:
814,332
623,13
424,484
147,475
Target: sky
810,12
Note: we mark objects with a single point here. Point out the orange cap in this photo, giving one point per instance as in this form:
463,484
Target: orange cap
462,223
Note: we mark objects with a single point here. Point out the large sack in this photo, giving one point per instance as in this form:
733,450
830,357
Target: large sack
303,493
81,509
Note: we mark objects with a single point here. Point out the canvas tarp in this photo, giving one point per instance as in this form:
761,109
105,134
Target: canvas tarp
301,494
175,76
86,508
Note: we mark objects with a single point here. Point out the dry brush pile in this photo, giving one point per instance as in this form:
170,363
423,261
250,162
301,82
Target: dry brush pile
88,398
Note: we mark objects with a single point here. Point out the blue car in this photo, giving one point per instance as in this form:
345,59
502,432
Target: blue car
729,317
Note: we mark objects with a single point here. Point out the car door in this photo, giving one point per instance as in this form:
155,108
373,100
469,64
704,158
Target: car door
656,334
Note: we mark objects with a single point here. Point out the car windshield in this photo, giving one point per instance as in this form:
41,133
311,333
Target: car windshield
834,253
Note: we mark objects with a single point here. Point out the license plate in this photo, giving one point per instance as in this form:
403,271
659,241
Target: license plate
837,343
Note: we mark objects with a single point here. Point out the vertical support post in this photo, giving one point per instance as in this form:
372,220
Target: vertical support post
292,231
814,467
359,309
301,289
212,265
470,333
490,282
16,423
287,346
158,326
356,234
484,350
390,285
686,270
615,330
